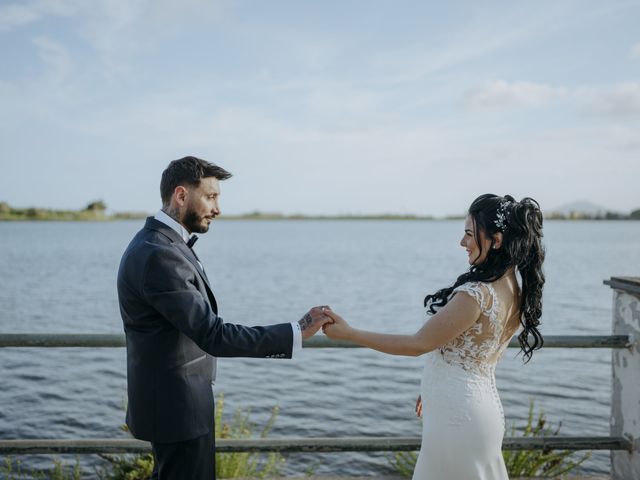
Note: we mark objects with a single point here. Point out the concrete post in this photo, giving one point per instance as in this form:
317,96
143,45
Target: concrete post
625,401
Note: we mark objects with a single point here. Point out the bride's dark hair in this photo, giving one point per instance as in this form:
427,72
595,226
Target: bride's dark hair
521,226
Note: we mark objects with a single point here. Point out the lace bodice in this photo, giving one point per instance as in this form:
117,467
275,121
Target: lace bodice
479,348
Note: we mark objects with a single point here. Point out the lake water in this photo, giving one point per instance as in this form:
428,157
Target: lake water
60,278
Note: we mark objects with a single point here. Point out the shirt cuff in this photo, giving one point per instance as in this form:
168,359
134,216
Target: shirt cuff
297,337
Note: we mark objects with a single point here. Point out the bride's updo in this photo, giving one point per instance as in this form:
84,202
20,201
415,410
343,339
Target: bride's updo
521,226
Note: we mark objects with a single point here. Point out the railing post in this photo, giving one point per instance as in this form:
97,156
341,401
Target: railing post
625,401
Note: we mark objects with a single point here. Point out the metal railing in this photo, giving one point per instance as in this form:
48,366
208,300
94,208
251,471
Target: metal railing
105,340
295,444
318,444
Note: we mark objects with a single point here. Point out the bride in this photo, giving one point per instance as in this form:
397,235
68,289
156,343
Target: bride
471,325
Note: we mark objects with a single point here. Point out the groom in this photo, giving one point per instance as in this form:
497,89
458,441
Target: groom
173,330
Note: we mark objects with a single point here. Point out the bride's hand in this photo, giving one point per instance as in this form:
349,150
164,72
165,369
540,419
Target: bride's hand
339,329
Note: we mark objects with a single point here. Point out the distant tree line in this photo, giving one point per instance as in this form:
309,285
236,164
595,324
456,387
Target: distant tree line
95,210
634,215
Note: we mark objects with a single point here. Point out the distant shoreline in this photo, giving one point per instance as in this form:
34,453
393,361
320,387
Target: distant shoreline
96,212
288,218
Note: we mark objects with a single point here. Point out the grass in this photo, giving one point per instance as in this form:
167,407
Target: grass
11,471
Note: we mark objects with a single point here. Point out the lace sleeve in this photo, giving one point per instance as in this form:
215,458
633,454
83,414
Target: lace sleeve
480,292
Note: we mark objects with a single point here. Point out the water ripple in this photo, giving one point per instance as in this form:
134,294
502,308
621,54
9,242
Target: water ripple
374,273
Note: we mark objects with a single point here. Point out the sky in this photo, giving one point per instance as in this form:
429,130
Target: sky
321,107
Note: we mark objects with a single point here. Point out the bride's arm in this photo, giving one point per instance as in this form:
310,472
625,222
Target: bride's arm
460,313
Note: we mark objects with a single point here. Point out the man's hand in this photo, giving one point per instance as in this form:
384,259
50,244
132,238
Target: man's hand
313,321
419,406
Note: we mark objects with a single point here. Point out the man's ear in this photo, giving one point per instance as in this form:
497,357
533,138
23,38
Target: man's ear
497,240
180,195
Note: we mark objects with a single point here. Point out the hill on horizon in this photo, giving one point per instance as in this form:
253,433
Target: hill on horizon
584,207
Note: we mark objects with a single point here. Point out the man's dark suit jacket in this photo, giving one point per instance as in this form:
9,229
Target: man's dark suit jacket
173,331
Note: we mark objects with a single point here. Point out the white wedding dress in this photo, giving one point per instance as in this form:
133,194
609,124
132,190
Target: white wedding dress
463,421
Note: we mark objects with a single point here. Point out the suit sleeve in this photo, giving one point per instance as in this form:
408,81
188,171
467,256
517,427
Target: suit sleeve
169,286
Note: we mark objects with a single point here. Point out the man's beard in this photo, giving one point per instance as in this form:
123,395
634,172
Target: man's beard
194,222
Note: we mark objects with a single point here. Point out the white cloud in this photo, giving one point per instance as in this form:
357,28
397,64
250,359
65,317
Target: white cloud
117,30
500,94
123,31
343,100
55,56
621,101
24,13
13,16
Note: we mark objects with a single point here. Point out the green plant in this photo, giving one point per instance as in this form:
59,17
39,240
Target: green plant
58,472
228,465
404,462
244,464
524,463
540,463
127,467
12,471
310,469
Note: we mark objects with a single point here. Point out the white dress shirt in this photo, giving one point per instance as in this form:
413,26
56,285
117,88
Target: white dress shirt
161,216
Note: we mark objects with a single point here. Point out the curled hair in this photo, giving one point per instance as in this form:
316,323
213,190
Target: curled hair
188,171
521,225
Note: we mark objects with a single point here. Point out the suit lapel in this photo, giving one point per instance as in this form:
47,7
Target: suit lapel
177,242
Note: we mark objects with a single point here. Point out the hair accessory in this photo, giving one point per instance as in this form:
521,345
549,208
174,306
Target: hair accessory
501,215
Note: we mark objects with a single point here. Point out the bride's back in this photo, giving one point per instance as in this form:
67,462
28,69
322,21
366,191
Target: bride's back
479,348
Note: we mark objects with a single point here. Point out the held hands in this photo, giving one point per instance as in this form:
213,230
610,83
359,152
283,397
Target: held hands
313,320
332,324
337,328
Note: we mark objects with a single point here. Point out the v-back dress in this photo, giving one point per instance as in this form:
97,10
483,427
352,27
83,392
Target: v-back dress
463,420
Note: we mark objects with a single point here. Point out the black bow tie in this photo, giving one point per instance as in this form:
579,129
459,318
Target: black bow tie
192,240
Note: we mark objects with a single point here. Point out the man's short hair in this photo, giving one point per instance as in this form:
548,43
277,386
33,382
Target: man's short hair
188,171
